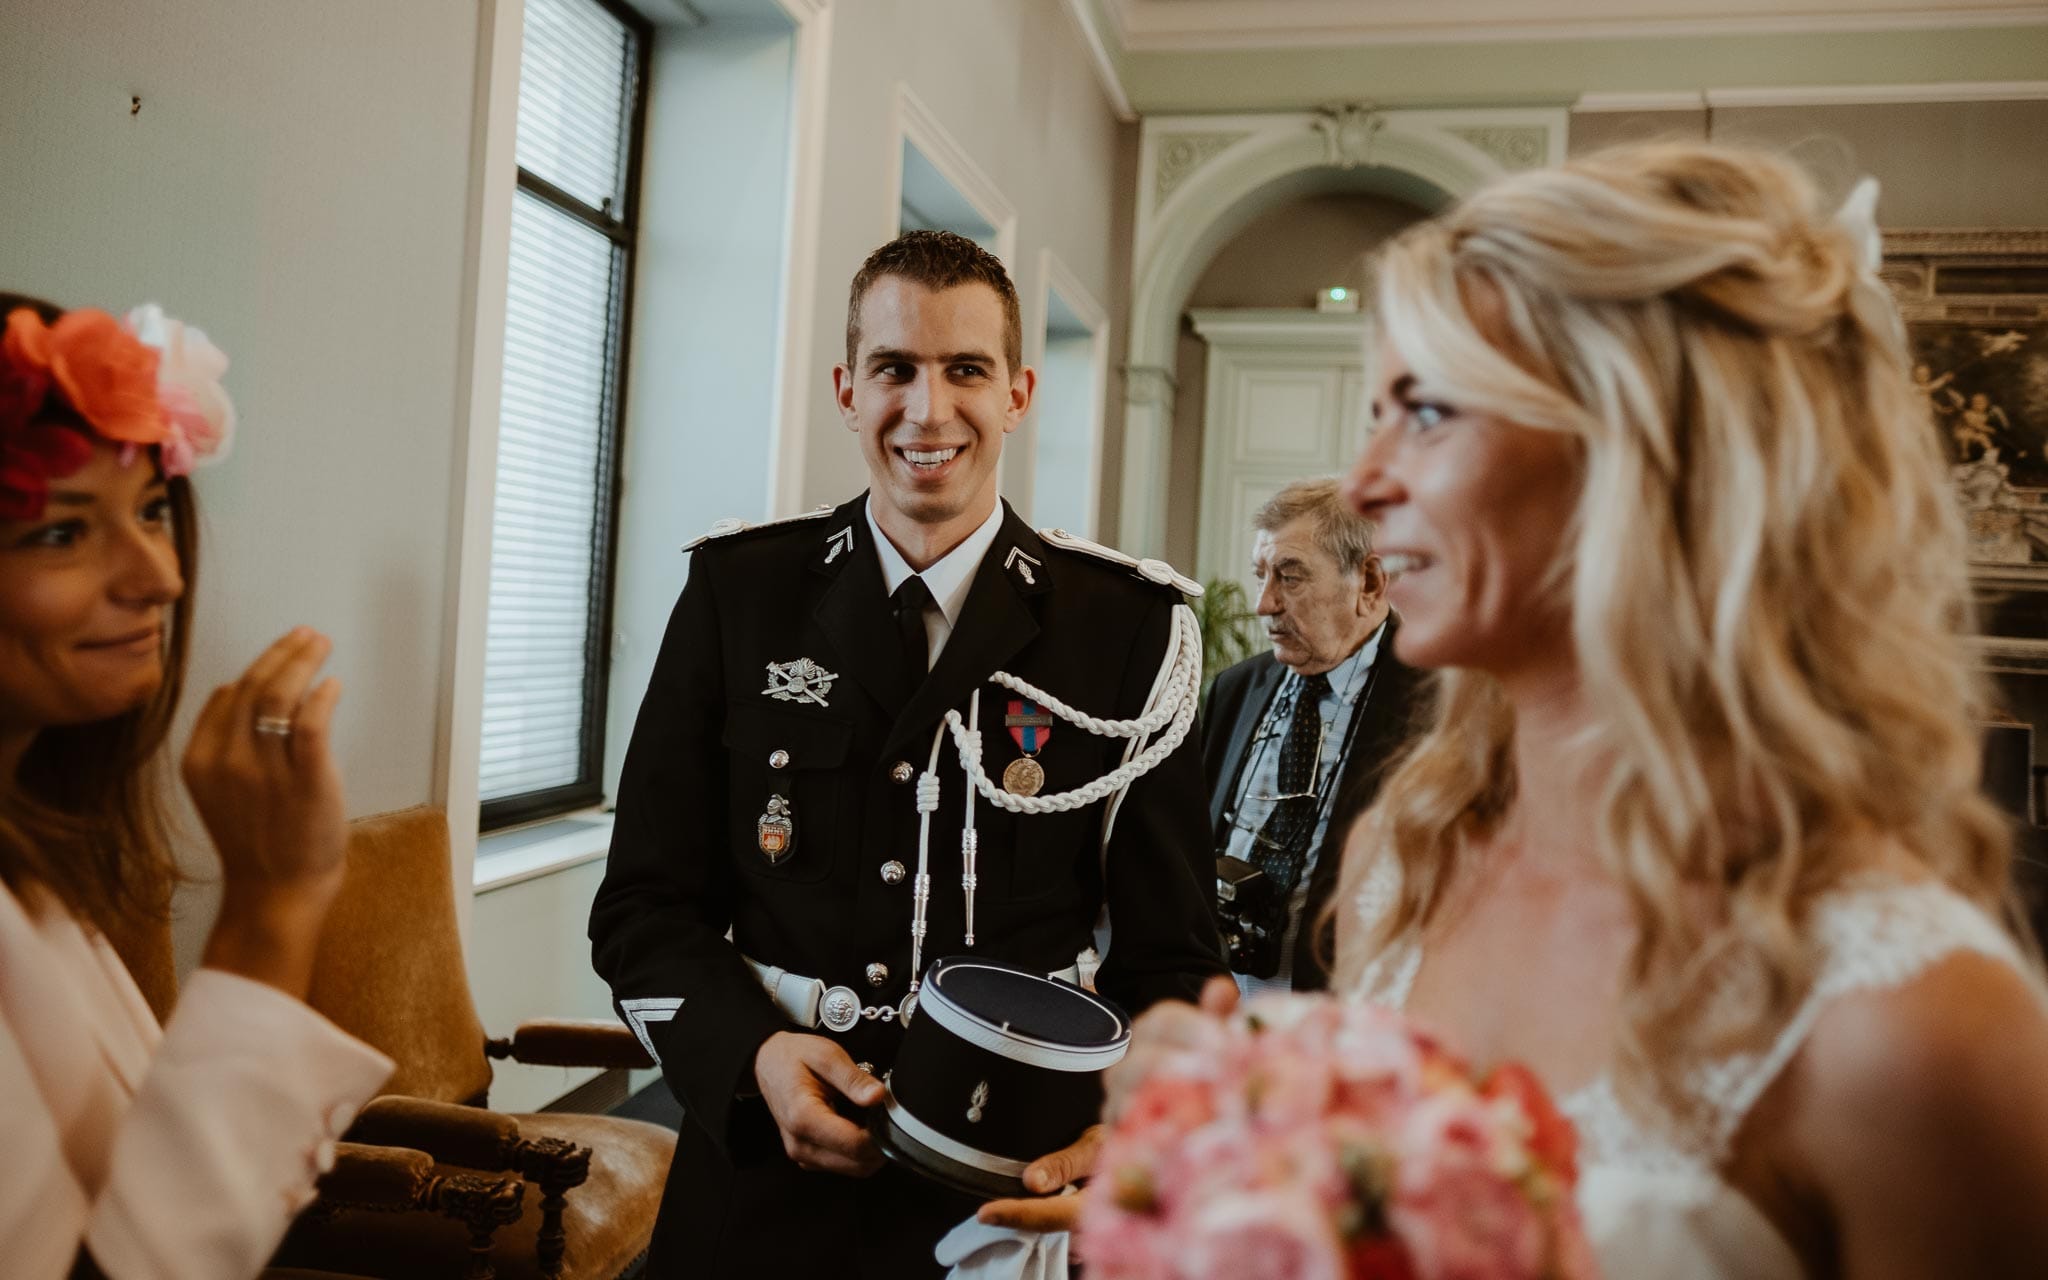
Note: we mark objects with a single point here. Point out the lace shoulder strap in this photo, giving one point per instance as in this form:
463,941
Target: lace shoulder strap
1388,976
1872,936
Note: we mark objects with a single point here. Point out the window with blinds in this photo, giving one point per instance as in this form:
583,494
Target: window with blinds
582,90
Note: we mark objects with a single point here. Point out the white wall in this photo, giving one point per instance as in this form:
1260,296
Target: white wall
296,184
1011,81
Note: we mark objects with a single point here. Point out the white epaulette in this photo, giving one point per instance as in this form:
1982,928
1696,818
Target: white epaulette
1151,570
732,524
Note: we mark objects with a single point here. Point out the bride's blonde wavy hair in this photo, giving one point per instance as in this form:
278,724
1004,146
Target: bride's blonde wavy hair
1766,571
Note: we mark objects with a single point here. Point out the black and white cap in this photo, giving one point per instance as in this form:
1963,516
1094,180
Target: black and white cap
998,1067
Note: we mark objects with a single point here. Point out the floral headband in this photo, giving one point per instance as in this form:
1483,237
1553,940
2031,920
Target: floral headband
146,381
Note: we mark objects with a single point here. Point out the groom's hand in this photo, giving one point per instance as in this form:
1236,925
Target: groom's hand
1049,1175
800,1078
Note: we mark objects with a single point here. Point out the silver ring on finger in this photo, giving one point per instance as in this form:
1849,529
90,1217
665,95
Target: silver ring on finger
275,726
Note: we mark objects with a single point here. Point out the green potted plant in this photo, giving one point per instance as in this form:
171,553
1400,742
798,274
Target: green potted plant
1230,632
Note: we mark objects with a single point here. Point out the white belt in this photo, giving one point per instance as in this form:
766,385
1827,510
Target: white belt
810,1003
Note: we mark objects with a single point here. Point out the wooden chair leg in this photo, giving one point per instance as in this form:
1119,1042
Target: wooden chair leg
554,1165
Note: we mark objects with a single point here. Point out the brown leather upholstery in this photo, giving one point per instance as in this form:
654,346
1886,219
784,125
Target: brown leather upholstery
607,1219
390,969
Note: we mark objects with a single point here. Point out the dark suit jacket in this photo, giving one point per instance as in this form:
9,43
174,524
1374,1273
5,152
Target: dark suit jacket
1397,700
686,863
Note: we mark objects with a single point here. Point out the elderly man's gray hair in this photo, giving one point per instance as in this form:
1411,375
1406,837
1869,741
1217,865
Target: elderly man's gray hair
1338,530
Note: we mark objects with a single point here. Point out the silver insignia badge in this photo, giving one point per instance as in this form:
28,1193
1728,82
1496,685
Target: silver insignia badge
977,1102
1022,564
801,680
841,543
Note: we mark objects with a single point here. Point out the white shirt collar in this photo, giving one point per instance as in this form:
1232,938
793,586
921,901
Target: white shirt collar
951,577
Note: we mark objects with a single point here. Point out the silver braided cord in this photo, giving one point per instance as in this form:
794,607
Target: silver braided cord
1187,640
1175,711
921,888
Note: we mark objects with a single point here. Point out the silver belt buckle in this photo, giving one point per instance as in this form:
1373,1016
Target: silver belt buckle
838,1009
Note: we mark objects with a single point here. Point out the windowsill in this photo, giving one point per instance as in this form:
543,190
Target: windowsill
517,856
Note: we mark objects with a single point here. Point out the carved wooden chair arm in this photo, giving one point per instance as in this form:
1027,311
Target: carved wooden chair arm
478,1139
572,1042
381,1179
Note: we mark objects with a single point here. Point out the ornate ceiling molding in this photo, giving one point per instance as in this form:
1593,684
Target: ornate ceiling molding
1183,26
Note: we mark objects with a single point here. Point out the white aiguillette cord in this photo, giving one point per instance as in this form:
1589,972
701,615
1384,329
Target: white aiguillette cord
1176,696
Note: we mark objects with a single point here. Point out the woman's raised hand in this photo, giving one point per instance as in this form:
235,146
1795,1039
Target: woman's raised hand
261,773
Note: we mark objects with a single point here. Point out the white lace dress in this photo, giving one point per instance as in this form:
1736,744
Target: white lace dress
1656,1207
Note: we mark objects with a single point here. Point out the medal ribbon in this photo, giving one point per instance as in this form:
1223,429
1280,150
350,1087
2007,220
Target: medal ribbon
1029,724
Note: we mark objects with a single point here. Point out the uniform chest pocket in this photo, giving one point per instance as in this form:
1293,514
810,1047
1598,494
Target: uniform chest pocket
793,804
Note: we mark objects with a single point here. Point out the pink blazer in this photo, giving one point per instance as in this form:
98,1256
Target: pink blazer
179,1153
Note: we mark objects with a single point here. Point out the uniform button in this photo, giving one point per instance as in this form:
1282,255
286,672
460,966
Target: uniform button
878,973
902,771
893,872
778,759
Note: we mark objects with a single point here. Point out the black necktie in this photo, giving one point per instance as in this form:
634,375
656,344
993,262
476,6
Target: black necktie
910,601
1282,846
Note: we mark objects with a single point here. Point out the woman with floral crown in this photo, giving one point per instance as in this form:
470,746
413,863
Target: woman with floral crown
129,1149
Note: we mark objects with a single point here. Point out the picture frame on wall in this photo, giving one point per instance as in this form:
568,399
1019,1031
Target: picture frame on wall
1975,303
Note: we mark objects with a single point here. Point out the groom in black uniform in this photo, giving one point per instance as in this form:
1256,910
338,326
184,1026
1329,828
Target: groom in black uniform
755,921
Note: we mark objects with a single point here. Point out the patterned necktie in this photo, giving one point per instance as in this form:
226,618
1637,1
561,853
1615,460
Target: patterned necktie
1282,846
910,601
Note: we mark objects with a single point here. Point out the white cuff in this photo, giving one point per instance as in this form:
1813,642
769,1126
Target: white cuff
236,1118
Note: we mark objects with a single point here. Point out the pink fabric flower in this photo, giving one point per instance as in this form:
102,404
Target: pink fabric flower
199,417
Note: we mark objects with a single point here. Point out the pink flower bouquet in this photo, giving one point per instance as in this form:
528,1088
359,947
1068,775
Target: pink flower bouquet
1317,1140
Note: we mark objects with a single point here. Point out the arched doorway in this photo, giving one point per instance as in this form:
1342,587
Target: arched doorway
1202,179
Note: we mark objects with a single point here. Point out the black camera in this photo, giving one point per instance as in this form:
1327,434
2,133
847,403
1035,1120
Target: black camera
1251,917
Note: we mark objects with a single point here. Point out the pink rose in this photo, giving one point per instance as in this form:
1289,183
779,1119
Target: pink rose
1269,1235
1457,1204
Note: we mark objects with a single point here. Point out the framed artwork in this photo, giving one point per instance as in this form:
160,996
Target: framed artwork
1976,311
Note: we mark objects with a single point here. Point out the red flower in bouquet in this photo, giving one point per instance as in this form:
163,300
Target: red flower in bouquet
1317,1140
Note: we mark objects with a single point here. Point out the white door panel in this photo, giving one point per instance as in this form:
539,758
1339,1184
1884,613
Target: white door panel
1285,400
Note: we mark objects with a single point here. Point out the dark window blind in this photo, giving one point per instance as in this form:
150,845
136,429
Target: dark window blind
581,95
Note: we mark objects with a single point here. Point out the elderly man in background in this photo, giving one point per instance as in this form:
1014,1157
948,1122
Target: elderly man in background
1297,739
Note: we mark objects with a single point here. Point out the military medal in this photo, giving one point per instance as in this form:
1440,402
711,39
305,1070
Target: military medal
1023,777
775,831
1029,726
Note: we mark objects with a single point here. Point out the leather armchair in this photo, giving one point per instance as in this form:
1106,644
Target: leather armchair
391,972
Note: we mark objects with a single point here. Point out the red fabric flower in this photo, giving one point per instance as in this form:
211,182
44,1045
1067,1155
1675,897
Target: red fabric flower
31,455
103,371
104,374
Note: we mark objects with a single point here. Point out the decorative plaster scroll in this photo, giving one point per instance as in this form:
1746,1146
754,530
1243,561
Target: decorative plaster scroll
1348,132
1181,154
1515,148
1148,384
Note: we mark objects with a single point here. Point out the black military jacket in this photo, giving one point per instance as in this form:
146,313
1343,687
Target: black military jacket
713,744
